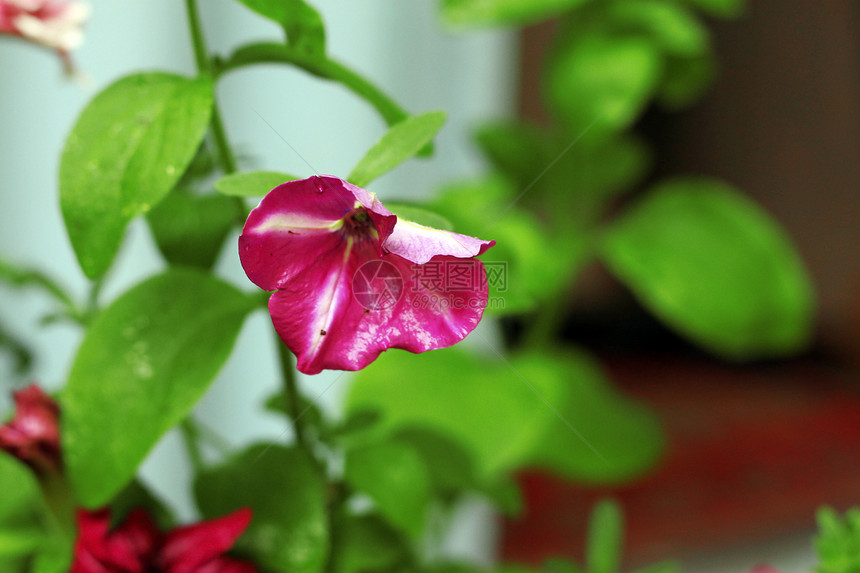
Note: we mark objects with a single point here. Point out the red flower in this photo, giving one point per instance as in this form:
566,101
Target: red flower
33,435
136,546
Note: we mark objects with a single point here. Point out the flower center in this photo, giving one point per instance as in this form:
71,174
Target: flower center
357,224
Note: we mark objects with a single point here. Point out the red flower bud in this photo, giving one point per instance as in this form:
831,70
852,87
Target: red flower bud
33,435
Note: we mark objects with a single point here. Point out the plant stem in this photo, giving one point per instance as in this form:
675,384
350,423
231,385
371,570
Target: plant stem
190,436
60,503
291,392
201,58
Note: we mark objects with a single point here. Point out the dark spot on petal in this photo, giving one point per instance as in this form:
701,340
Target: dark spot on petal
292,232
322,333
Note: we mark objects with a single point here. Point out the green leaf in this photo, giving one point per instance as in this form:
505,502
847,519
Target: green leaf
476,401
605,538
127,150
716,267
20,500
401,142
502,12
302,23
600,84
251,183
368,543
420,215
145,361
19,542
289,530
579,443
449,465
396,478
190,229
721,8
672,27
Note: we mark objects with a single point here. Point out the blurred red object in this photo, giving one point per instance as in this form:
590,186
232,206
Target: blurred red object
752,453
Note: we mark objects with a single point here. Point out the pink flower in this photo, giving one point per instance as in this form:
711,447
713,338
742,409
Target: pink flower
56,24
353,280
136,546
33,435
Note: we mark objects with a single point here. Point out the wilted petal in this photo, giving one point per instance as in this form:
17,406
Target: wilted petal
419,244
373,305
344,293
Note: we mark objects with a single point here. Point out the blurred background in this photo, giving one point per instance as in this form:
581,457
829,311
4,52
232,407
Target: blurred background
753,449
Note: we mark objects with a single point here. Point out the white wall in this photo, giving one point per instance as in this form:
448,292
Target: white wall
397,44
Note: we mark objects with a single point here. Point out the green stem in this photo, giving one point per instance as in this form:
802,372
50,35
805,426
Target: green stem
191,435
201,58
267,53
291,392
60,503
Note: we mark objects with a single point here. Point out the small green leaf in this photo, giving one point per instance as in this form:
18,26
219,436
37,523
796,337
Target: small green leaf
289,530
307,409
145,361
420,215
685,81
251,183
395,477
127,150
838,541
605,538
190,229
601,84
368,543
302,23
21,276
502,12
401,142
715,266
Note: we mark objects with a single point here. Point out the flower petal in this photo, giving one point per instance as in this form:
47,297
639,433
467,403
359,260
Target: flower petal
128,548
419,244
370,305
296,221
188,549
